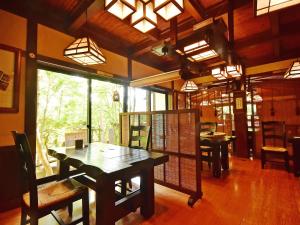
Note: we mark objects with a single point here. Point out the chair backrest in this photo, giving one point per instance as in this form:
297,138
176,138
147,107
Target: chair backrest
139,137
27,167
273,133
208,127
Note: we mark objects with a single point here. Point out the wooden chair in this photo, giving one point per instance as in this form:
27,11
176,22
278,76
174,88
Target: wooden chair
205,148
139,138
39,201
274,142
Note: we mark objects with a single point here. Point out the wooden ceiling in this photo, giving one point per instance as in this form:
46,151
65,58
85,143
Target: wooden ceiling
257,40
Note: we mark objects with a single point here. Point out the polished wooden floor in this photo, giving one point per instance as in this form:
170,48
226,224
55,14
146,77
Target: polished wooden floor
245,195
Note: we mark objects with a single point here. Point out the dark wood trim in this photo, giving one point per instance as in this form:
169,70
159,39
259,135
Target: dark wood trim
57,65
31,84
89,111
17,77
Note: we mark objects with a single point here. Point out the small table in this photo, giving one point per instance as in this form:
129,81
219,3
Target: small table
104,164
296,154
219,142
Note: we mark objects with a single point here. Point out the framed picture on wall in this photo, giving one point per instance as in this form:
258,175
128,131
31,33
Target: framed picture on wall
10,66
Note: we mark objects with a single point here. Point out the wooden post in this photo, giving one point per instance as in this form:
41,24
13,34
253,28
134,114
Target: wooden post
240,121
129,71
31,84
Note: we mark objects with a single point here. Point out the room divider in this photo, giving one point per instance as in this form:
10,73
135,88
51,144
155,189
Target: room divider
175,133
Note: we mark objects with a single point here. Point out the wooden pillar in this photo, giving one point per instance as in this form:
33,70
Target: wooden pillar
125,97
31,84
240,120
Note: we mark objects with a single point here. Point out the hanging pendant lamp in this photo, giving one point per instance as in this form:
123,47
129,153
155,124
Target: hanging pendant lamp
189,86
84,51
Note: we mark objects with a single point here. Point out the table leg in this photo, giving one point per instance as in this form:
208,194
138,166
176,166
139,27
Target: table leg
147,188
224,156
63,170
105,202
216,160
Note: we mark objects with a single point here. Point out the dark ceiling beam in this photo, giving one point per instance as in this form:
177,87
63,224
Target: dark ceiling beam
81,9
222,7
191,10
196,9
199,8
92,9
34,10
286,30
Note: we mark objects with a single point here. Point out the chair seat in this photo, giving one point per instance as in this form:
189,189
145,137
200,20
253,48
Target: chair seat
57,192
274,149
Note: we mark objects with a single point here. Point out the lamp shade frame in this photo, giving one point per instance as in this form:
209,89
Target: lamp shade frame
85,48
200,52
273,8
165,4
189,86
234,70
144,17
219,73
293,71
125,3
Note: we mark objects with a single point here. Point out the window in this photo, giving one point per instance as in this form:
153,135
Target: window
158,101
137,100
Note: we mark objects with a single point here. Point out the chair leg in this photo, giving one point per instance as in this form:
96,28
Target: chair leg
263,159
70,209
286,159
85,209
34,220
23,216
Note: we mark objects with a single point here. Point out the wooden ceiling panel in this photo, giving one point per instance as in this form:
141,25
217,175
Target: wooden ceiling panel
290,43
67,6
209,3
290,15
263,50
164,25
120,29
245,24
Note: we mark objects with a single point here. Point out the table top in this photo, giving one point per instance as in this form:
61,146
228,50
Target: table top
212,135
106,157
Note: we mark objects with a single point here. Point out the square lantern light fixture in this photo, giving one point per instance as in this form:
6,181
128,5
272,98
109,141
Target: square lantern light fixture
293,71
144,19
120,8
168,9
84,51
219,73
189,86
266,6
234,70
203,44
197,51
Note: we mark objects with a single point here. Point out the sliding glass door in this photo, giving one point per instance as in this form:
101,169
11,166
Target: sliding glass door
105,111
67,106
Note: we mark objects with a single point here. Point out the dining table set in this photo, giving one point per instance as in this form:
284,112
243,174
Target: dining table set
219,142
101,165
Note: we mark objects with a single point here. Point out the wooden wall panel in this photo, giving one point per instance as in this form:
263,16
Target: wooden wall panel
10,194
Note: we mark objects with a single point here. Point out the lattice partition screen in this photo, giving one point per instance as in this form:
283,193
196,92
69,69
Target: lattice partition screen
175,133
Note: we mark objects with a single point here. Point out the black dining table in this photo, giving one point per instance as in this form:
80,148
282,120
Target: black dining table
219,143
101,166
